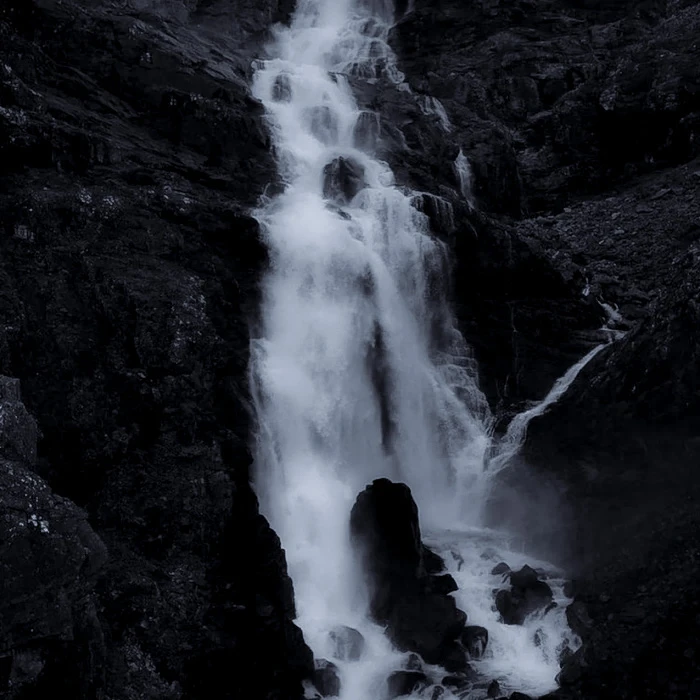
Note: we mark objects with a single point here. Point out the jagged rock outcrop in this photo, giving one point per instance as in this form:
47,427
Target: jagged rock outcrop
420,615
131,153
50,559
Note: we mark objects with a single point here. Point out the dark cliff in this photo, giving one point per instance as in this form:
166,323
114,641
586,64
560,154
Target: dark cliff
130,156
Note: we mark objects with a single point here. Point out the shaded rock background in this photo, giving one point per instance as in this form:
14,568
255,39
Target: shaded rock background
131,154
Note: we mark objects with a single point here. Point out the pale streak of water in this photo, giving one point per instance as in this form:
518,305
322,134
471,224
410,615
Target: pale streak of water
348,291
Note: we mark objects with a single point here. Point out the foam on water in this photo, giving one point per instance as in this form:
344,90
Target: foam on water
359,370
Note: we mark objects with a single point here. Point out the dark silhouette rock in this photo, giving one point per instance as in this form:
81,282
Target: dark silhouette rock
527,595
442,585
414,663
494,689
343,179
432,562
475,639
348,643
326,678
501,569
526,577
402,683
385,529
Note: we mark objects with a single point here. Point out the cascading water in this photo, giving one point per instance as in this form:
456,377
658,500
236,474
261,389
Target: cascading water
359,371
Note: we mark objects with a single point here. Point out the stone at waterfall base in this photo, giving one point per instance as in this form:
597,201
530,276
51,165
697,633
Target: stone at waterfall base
326,678
407,594
527,595
405,682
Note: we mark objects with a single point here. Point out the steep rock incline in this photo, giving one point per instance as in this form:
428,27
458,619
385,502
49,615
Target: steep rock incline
624,446
49,561
130,155
552,103
553,99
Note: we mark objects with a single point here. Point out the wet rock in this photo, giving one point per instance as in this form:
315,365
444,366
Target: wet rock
524,578
459,683
453,658
438,692
385,529
282,88
324,126
402,683
425,623
475,639
414,663
527,595
432,562
367,130
343,178
348,643
501,569
442,585
326,678
519,696
494,689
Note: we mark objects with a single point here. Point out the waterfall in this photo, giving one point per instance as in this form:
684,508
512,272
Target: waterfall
359,370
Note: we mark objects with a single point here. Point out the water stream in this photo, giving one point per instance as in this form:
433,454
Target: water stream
359,370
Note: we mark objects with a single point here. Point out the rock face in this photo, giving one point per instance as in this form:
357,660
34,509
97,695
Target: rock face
419,614
130,155
50,559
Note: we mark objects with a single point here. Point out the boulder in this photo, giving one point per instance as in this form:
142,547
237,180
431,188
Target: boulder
475,639
526,595
343,178
442,585
326,678
425,623
525,578
282,88
432,562
501,569
494,689
402,683
348,643
414,605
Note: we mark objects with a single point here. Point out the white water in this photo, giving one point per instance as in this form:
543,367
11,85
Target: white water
464,175
359,371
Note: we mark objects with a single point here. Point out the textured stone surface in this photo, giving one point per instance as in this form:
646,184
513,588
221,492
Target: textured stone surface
130,155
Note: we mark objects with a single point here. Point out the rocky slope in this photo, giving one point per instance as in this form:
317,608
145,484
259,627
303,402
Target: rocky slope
130,155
